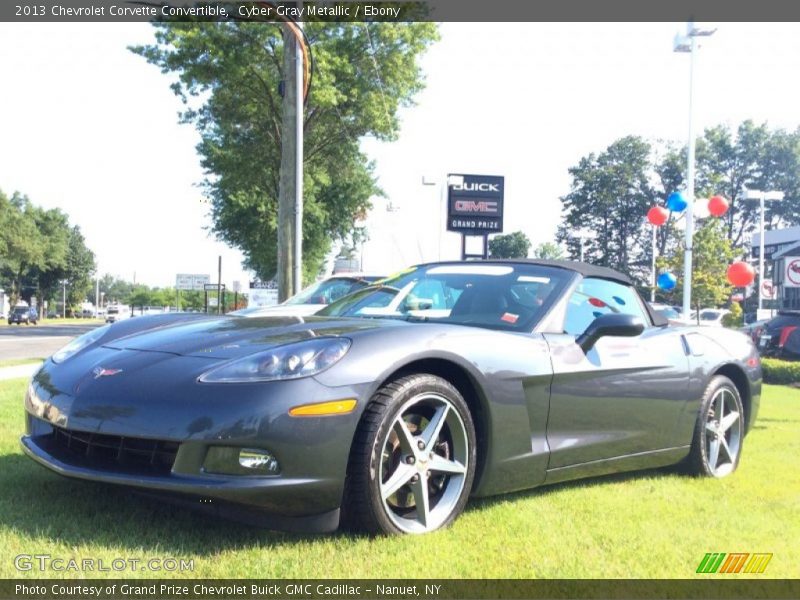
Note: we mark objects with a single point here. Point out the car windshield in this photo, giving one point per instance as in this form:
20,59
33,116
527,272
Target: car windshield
328,290
496,296
20,310
668,312
709,315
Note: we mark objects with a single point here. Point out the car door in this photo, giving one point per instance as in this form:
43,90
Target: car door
622,397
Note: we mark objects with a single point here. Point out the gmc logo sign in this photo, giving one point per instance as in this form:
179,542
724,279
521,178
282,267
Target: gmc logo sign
471,206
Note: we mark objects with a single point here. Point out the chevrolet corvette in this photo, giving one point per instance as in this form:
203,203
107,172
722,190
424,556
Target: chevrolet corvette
392,406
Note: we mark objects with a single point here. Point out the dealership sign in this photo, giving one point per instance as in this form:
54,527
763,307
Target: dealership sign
475,204
262,293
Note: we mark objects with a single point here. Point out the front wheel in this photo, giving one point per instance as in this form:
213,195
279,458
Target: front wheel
719,431
413,458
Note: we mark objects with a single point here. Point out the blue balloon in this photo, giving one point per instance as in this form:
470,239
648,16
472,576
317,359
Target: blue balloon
676,202
666,281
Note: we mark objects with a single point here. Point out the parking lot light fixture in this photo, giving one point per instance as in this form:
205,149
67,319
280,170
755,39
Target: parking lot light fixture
688,43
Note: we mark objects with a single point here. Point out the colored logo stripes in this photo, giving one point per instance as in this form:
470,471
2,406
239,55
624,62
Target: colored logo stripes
734,562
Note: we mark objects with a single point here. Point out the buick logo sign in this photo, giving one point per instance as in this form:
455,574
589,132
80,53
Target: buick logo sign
476,186
99,372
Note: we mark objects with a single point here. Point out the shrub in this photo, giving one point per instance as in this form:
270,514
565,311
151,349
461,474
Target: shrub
735,318
780,371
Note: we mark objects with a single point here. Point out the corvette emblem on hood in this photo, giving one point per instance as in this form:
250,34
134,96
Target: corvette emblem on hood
101,372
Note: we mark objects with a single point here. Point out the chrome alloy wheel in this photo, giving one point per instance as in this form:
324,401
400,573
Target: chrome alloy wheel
723,433
424,463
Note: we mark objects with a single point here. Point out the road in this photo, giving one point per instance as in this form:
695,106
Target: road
37,341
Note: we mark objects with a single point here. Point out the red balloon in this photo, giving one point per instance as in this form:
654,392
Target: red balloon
657,215
717,206
741,274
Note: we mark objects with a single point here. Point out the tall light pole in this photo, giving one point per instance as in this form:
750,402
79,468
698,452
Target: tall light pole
97,296
431,181
688,43
442,208
653,279
64,299
761,197
581,235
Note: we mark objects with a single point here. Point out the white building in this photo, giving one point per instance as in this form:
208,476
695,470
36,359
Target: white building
781,287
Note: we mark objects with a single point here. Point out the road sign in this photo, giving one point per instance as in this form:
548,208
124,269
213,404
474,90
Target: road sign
791,274
767,290
189,281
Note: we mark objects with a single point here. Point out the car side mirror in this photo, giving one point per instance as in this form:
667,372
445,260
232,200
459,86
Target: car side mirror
613,324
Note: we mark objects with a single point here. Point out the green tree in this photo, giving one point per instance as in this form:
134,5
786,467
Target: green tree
610,194
229,75
79,268
21,246
713,253
755,157
512,245
548,251
54,231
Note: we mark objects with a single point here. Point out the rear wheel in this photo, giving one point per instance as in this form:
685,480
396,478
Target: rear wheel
413,458
719,431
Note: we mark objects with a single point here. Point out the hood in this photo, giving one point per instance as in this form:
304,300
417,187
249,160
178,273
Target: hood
232,337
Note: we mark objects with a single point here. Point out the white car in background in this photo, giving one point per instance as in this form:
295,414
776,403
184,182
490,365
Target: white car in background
117,312
712,317
314,297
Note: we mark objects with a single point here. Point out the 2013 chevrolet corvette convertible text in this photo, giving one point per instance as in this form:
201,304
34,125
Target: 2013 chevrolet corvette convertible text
394,404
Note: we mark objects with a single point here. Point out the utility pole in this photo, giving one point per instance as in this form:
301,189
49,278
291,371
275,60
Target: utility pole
290,194
219,285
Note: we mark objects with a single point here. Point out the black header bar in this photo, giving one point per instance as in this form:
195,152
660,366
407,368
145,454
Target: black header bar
402,10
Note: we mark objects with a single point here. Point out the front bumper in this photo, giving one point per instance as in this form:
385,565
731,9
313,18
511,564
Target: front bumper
257,501
312,452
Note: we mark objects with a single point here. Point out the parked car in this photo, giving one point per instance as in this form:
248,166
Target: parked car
522,372
712,317
754,330
672,315
23,314
314,297
117,312
780,336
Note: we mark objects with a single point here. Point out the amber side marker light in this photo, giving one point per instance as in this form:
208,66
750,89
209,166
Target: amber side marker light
320,409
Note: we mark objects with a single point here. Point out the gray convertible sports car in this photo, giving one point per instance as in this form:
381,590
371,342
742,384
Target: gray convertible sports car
396,403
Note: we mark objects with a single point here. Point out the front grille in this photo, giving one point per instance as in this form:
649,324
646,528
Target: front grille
96,450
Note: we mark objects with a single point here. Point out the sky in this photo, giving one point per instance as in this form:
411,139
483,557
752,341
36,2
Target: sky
88,127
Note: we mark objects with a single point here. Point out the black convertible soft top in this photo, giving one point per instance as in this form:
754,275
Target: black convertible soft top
584,269
587,270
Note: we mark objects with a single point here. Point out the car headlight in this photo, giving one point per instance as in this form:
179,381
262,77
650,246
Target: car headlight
292,361
79,343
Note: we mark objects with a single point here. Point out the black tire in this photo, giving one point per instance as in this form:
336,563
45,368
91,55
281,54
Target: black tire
378,455
708,432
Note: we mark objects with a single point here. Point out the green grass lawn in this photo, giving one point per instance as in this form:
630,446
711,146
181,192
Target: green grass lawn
13,362
650,524
57,321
